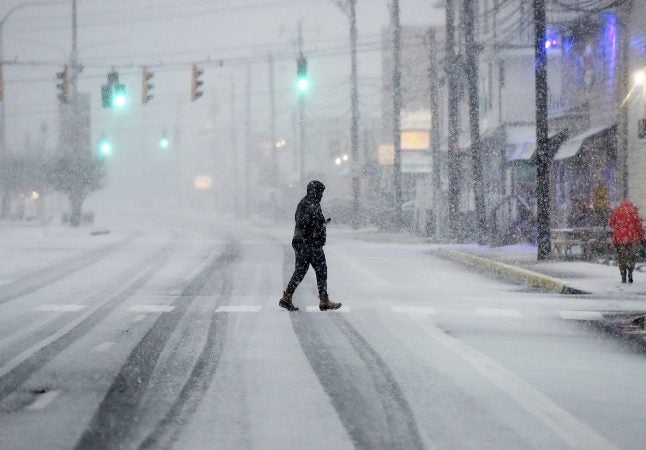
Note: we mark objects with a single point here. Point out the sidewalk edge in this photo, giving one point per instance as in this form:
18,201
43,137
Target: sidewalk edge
510,272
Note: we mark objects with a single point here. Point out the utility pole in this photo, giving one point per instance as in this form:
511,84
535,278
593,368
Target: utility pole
452,75
234,151
435,126
301,112
542,159
624,14
354,130
472,51
247,155
397,99
273,154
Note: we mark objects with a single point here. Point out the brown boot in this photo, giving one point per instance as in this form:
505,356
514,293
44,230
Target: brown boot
326,304
286,302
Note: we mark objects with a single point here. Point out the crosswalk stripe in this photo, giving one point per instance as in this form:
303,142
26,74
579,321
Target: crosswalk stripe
151,308
58,307
414,309
581,315
499,312
315,308
238,308
43,400
103,347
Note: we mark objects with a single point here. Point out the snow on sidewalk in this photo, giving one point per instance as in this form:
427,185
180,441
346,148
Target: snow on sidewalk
598,279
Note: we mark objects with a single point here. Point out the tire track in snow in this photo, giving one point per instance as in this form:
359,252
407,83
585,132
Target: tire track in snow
19,369
111,424
366,396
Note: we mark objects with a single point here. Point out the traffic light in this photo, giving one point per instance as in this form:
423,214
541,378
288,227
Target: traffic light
146,86
63,85
105,147
164,142
196,83
119,97
302,81
106,95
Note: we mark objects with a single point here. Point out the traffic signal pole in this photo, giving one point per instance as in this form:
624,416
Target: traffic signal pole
542,160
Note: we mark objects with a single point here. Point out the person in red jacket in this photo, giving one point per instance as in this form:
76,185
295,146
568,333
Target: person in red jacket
627,233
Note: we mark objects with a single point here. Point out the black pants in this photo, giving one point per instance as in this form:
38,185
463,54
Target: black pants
626,257
304,257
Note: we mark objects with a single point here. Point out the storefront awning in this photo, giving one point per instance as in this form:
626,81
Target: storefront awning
572,146
526,150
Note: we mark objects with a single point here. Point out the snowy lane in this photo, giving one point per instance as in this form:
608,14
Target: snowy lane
191,351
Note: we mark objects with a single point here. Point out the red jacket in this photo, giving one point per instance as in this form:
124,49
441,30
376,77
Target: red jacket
626,225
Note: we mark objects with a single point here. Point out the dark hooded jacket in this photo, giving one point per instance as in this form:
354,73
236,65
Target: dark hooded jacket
309,231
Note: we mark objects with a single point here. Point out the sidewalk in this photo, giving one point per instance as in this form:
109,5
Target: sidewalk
519,263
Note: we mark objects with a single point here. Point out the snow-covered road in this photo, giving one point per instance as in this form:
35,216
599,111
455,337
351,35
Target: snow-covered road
173,338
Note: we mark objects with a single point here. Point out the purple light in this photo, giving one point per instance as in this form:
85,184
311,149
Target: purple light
554,42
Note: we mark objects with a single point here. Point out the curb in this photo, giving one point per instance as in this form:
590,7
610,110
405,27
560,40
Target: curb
510,272
630,327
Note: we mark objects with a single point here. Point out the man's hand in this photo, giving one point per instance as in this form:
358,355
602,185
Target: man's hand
328,220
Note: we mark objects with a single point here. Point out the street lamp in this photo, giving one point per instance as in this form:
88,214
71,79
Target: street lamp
639,77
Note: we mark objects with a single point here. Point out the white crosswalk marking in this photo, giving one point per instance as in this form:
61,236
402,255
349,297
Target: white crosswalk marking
151,308
43,400
315,308
414,309
581,315
103,347
499,312
238,308
57,307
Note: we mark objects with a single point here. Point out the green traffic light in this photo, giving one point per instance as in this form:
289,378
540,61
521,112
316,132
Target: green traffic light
303,84
105,148
120,98
163,143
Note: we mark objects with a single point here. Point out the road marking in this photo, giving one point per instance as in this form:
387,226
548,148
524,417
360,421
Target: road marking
58,307
571,430
43,400
499,312
414,309
581,315
238,308
151,308
315,308
139,318
103,347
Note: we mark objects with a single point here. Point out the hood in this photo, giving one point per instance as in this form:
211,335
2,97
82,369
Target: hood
315,190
